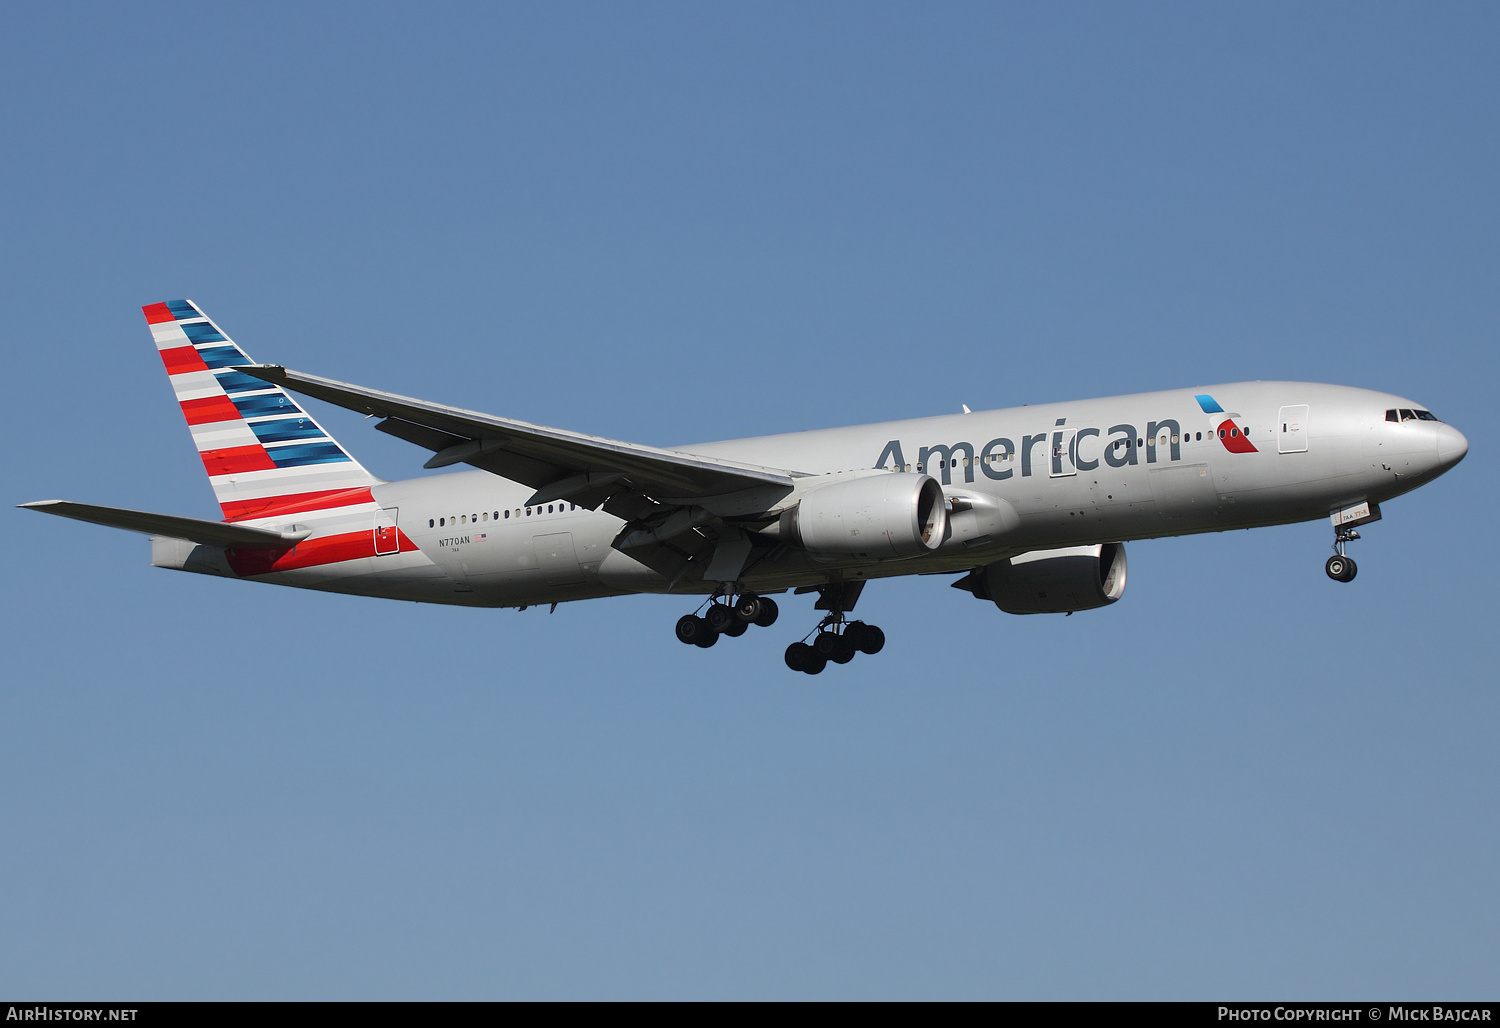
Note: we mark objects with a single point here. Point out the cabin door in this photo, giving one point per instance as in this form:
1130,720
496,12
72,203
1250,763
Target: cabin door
387,538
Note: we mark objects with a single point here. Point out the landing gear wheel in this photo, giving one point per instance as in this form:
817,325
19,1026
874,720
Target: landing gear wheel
866,638
846,651
1341,568
747,608
691,628
827,645
798,656
719,616
815,665
768,611
736,630
709,638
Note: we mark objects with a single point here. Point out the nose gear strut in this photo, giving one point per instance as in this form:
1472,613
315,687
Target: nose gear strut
1341,568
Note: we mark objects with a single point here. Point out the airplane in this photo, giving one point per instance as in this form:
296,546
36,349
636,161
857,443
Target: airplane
1031,505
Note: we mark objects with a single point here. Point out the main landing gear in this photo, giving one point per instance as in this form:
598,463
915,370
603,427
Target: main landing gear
834,639
1341,568
731,619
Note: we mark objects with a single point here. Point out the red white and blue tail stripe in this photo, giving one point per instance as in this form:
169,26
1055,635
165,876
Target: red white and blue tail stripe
264,455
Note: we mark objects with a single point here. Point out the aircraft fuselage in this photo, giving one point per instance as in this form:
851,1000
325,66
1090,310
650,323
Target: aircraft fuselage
1018,479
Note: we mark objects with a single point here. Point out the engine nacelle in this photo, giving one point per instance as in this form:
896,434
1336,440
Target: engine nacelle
1052,581
878,517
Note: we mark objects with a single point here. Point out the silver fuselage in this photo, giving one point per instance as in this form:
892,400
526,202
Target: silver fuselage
1026,478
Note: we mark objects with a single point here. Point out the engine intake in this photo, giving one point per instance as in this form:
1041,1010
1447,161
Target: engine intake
880,517
1052,581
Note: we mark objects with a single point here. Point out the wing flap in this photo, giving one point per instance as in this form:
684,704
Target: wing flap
198,530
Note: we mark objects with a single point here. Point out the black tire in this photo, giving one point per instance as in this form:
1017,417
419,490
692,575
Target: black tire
826,645
736,630
798,656
719,616
846,651
1350,571
709,638
768,612
747,608
871,639
815,665
690,627
1337,567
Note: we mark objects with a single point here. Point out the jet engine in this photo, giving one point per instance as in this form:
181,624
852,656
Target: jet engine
879,517
1052,581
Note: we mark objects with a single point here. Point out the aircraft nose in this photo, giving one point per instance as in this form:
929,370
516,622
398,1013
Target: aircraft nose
1451,445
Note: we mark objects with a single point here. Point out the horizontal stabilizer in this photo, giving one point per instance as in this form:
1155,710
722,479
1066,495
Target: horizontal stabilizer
211,533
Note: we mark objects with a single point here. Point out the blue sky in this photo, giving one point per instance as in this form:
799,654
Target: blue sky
668,223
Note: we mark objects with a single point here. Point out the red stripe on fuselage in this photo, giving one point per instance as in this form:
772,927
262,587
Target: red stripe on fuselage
182,358
209,409
294,503
156,313
235,460
333,549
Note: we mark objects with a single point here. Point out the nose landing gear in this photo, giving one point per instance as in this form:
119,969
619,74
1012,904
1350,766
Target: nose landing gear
1342,568
1339,567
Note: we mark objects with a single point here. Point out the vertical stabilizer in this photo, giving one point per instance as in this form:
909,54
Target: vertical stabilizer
264,455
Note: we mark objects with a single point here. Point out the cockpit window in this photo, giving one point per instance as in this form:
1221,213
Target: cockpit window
1391,415
1408,415
1426,415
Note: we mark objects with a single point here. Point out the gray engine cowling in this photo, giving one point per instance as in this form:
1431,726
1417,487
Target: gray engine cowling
1052,581
880,517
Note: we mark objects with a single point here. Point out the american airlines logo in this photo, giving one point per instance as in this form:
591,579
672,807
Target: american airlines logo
1066,451
1062,451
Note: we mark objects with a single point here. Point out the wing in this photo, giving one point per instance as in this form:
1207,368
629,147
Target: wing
210,533
560,465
